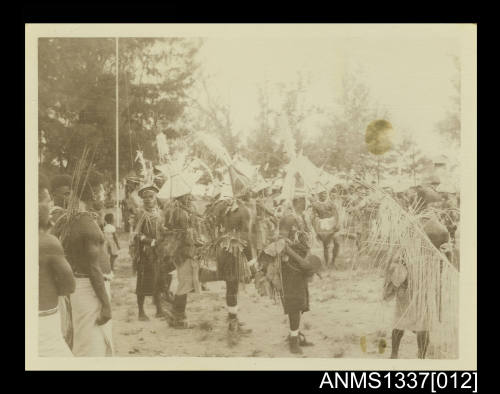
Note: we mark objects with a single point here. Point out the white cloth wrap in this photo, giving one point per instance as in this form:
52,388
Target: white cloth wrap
326,224
89,339
188,277
50,338
64,309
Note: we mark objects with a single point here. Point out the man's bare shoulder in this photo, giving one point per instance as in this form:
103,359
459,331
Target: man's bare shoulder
49,245
84,224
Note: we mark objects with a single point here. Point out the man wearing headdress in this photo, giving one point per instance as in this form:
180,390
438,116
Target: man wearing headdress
181,246
231,223
180,242
407,315
84,246
60,189
265,222
326,219
425,194
144,253
285,269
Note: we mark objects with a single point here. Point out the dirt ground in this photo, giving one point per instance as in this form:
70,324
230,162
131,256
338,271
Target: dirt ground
345,307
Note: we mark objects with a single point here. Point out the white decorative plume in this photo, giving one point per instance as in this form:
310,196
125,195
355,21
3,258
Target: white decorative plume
162,146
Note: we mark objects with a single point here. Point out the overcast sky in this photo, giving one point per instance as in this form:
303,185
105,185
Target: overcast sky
409,76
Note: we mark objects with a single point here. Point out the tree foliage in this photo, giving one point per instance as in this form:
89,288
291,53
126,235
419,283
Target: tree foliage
77,103
263,144
341,143
77,106
450,125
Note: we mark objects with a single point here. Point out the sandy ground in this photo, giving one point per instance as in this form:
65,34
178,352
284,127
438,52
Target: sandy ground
345,306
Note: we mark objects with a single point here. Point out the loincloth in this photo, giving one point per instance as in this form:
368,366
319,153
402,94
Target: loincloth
51,342
89,339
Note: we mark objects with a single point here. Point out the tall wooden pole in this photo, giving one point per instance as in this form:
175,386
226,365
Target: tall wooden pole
118,216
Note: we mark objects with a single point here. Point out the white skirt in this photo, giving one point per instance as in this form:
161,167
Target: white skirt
50,338
89,339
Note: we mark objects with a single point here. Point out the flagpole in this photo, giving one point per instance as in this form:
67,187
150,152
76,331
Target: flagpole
118,216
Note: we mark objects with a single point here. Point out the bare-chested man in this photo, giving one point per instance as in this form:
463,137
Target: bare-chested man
325,222
55,278
60,190
90,303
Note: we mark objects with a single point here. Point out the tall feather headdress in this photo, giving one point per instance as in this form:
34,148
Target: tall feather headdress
239,181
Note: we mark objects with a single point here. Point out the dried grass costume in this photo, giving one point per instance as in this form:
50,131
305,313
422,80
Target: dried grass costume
284,275
230,225
180,242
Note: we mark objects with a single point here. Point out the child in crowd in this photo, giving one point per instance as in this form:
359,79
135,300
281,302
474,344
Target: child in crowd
111,239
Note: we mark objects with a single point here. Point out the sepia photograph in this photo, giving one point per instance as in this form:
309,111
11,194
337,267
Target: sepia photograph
251,192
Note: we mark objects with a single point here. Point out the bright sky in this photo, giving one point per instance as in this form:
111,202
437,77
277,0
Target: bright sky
410,77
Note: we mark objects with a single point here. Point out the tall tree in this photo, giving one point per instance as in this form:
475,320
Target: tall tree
74,97
342,142
263,145
450,125
77,96
411,159
295,109
155,76
213,115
